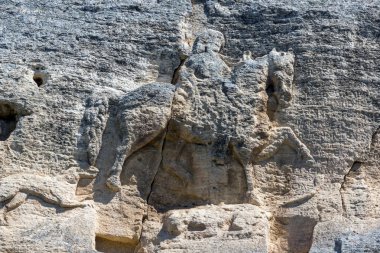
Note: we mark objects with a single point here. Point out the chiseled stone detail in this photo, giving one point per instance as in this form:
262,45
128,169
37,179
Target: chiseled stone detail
194,126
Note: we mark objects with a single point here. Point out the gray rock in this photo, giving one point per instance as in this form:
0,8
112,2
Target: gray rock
189,126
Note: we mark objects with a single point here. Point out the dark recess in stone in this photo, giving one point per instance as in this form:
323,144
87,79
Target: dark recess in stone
338,246
38,80
175,76
272,103
40,76
195,226
356,166
109,246
8,121
297,230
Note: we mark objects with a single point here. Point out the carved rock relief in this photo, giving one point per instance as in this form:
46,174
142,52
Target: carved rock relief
224,110
207,132
140,117
207,228
60,190
225,115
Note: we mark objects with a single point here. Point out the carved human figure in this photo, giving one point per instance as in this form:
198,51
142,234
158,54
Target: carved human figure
95,120
240,115
205,59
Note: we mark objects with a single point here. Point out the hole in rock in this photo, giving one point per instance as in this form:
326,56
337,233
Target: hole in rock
39,76
8,121
195,226
356,166
108,246
39,79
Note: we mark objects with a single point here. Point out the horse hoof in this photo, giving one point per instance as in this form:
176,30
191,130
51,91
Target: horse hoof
113,183
253,199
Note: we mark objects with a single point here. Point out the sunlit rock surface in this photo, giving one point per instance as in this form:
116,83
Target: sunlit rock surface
189,126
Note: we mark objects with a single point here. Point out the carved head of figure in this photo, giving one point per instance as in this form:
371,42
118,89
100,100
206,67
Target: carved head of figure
209,41
281,73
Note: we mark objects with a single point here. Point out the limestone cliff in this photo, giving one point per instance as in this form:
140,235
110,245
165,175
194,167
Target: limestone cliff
189,126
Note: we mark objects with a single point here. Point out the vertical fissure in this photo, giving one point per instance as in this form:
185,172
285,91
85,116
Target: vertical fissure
354,167
175,76
154,178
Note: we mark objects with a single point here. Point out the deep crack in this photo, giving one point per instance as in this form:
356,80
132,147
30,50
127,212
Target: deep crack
162,156
354,167
175,76
160,164
145,217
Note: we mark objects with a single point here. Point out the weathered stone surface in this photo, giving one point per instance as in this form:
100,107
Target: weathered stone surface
37,226
189,126
240,228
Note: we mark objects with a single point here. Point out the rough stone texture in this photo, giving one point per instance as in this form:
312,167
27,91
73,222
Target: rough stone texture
189,126
223,228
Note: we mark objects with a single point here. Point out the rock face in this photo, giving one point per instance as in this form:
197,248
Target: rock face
189,126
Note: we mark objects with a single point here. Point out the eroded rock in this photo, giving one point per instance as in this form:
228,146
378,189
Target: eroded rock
206,229
199,126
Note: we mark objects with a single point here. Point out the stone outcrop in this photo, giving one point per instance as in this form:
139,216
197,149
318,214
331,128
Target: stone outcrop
194,126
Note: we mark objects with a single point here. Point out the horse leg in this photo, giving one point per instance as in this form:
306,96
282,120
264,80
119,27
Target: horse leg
277,138
244,160
251,195
301,148
129,145
113,181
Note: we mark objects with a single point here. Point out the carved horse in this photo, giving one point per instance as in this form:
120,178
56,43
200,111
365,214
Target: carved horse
145,113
